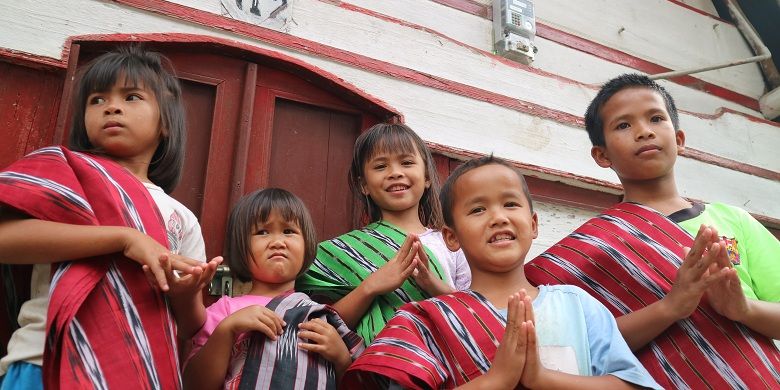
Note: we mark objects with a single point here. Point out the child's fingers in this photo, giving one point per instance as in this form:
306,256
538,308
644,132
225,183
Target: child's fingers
700,243
159,274
423,256
149,275
316,348
531,348
185,264
410,255
406,272
529,309
406,247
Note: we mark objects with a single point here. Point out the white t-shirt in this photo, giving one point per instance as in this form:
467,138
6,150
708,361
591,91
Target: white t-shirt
454,263
26,343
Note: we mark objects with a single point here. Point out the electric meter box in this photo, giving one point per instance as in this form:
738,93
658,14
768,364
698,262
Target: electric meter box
514,29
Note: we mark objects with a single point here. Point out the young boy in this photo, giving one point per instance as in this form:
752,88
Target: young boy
633,125
493,336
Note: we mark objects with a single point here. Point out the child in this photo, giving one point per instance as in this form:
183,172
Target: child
366,271
634,128
270,241
102,206
493,336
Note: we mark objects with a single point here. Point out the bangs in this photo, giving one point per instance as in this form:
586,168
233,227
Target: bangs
390,140
105,74
287,208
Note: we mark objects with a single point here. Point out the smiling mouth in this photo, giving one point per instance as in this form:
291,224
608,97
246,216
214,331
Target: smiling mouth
501,237
397,188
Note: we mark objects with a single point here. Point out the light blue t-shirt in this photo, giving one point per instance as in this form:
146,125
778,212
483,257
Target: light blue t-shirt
578,335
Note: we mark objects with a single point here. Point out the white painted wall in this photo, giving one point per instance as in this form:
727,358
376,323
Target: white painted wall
41,28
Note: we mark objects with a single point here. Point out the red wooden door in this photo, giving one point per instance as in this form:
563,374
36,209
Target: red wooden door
311,150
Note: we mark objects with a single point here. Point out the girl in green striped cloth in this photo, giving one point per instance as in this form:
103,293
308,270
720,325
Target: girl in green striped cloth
399,256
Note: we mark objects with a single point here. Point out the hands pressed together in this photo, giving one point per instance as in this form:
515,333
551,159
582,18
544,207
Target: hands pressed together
707,271
517,359
410,261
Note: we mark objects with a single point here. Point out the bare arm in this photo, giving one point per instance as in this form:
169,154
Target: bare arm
389,277
33,241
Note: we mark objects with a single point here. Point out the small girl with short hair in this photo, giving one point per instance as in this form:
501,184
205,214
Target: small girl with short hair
254,338
400,256
95,213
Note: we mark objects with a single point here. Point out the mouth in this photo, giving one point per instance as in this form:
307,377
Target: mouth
112,124
397,188
277,256
647,148
501,237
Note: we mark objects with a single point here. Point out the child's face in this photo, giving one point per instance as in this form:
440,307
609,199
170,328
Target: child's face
124,121
395,181
493,222
641,141
277,249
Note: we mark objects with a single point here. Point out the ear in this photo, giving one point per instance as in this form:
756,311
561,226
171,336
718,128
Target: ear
679,136
363,189
535,225
450,238
599,154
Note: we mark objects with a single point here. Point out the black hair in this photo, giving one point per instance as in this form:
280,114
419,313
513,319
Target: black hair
154,71
593,121
254,209
396,138
448,189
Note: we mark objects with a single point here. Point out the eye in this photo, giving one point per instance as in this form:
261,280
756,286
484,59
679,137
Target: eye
622,126
133,97
261,232
476,210
512,204
96,100
407,162
379,167
657,118
290,231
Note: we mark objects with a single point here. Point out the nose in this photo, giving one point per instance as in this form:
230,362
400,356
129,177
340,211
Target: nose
112,107
498,217
644,131
395,171
277,242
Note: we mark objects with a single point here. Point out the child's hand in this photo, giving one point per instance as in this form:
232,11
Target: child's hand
187,284
695,274
254,318
146,251
326,341
426,279
510,361
727,298
393,274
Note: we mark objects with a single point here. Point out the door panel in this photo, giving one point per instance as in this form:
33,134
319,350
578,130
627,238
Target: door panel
310,155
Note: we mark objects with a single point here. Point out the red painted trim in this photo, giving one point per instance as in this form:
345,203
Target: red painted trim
363,62
67,89
699,11
730,164
622,58
469,7
377,66
613,55
462,154
32,60
244,132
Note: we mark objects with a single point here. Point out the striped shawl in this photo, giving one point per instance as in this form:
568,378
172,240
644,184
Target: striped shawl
345,261
628,258
281,364
106,326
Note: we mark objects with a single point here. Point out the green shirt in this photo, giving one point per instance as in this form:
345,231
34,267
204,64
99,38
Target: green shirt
757,254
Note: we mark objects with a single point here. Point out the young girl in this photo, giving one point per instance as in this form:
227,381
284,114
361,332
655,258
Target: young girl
270,241
95,212
367,271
